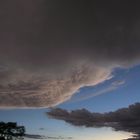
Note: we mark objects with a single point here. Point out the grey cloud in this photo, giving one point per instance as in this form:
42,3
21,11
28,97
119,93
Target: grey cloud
33,136
46,92
59,138
126,119
81,117
49,49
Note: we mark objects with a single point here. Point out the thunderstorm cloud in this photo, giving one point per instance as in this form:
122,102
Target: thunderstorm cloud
50,49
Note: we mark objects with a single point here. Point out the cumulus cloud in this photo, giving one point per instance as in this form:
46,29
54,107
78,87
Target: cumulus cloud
126,119
49,49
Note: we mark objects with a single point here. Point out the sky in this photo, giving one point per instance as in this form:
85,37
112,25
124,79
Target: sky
70,55
127,93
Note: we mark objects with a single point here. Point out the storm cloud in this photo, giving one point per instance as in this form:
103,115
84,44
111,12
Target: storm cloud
126,119
49,49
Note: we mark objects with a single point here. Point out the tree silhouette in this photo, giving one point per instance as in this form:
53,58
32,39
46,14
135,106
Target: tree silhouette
10,131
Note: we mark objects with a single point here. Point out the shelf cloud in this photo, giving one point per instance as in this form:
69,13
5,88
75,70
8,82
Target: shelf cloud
49,49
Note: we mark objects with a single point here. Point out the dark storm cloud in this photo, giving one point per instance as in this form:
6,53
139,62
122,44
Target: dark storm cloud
125,116
49,49
126,119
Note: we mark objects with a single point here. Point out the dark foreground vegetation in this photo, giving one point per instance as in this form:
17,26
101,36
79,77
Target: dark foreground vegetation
125,119
11,131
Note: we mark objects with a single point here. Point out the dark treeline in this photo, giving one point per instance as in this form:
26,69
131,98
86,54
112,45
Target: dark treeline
10,131
126,119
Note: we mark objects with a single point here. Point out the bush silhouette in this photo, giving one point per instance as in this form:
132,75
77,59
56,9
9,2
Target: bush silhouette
10,131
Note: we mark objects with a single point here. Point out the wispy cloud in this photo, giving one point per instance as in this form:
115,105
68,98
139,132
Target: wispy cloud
33,136
115,85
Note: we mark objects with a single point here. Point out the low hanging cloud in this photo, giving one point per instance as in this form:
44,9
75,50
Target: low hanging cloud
126,119
33,136
50,49
41,137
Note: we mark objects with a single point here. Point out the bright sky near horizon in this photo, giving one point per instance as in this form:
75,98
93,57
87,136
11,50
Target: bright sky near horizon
125,94
70,54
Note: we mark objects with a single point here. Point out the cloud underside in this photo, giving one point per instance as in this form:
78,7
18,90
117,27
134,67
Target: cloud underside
126,119
50,49
46,91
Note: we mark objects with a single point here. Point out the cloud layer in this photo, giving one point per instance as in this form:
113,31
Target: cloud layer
49,49
126,119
